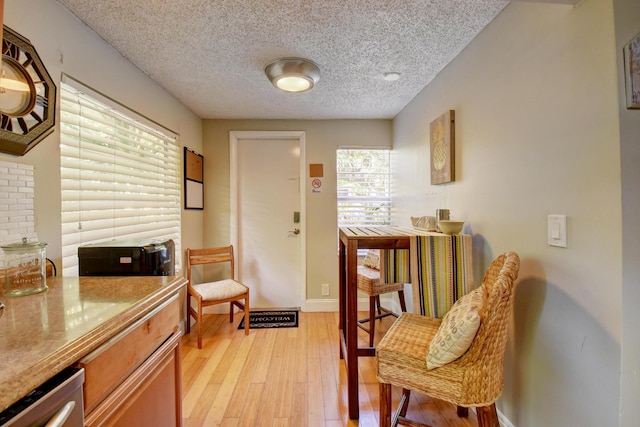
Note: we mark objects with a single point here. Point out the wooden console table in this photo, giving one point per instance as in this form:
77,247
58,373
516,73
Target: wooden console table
354,238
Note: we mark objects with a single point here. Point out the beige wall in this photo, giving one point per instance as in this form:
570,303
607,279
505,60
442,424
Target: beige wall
541,130
65,45
537,133
627,19
322,138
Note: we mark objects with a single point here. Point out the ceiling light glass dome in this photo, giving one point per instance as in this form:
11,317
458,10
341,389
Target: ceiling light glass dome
293,74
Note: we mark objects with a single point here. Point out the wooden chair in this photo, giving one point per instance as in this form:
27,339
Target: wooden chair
370,283
473,380
217,292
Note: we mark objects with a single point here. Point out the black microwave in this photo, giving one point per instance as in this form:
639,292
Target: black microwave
127,258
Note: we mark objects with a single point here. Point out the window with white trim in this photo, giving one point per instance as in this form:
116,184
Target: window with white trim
364,186
120,175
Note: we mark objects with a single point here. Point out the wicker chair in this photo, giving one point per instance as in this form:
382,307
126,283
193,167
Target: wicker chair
218,292
370,283
473,380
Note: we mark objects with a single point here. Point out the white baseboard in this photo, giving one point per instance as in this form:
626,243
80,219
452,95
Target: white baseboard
389,301
321,305
313,305
504,421
332,305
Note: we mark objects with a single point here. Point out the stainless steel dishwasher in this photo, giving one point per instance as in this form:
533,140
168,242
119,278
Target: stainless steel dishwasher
56,403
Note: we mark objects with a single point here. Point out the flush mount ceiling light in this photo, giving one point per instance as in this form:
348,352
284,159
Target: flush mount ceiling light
293,74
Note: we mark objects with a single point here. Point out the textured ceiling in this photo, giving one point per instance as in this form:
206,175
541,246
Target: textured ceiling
211,54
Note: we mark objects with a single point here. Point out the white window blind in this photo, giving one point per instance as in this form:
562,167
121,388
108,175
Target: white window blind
364,186
120,177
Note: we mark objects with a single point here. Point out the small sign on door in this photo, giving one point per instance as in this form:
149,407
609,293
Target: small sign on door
316,185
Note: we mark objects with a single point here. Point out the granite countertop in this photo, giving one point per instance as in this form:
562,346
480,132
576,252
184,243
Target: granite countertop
41,334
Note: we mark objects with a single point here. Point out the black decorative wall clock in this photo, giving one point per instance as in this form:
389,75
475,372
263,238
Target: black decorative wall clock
27,96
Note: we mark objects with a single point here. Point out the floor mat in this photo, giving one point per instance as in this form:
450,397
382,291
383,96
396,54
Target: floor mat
272,319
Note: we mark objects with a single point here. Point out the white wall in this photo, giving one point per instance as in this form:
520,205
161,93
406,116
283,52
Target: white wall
66,45
535,96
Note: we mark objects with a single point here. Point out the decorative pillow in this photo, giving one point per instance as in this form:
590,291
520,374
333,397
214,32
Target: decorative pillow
372,259
457,330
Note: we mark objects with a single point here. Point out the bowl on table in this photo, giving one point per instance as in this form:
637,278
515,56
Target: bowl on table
450,226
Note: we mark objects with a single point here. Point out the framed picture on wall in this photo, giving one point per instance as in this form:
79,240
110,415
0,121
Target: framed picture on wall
632,72
442,149
193,180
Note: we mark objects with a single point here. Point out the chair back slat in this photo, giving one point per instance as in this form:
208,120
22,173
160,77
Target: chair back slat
209,256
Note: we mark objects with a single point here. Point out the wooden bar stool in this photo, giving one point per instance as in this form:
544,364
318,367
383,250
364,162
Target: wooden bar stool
370,283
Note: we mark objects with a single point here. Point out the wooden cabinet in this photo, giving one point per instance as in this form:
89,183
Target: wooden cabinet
135,378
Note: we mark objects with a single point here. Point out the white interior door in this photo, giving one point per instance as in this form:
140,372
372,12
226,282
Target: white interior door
269,241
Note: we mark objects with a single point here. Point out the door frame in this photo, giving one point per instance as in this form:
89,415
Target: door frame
235,138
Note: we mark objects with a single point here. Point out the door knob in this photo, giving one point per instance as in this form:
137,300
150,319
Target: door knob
295,231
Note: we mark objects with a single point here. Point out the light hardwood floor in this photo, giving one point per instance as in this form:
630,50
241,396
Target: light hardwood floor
286,377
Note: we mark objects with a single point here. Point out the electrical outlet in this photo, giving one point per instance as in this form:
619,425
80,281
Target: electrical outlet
325,289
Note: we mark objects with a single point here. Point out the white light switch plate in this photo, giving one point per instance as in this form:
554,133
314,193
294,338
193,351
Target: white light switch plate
557,230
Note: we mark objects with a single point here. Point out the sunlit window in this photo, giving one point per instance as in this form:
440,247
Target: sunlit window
120,175
364,186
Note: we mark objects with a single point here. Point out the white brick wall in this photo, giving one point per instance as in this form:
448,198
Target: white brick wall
17,219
